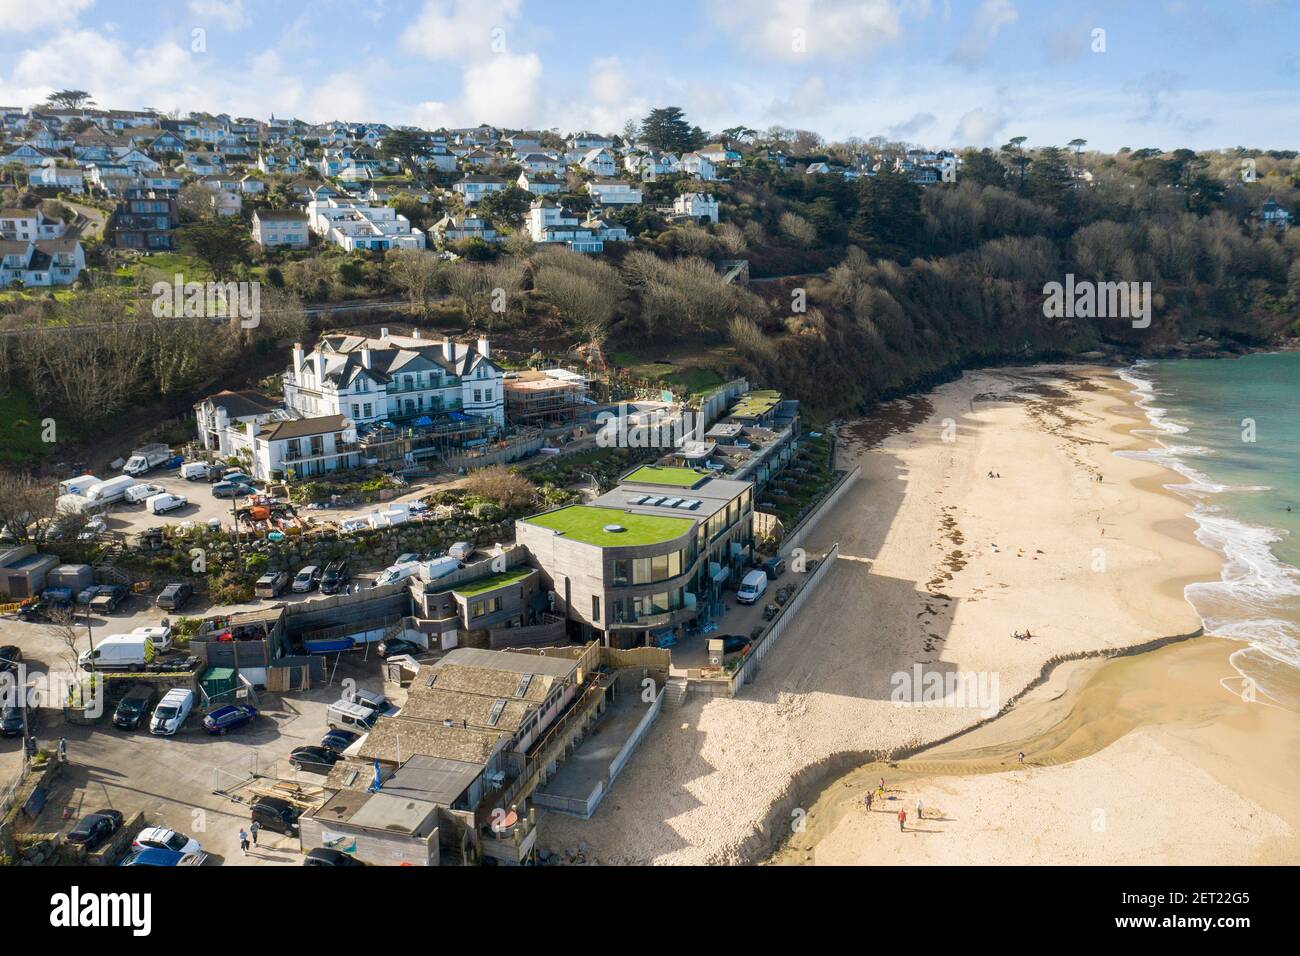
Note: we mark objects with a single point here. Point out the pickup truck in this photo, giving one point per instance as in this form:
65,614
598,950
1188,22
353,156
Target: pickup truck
108,597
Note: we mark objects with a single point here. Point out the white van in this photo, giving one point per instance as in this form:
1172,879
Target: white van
171,711
195,471
121,652
163,503
110,491
752,587
138,493
77,486
397,573
345,715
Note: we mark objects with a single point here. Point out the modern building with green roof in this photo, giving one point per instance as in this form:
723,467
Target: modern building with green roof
646,558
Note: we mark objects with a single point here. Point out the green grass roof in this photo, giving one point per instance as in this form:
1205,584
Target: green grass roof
674,477
513,576
587,523
757,403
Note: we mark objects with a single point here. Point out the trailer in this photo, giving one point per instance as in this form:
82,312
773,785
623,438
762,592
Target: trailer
107,492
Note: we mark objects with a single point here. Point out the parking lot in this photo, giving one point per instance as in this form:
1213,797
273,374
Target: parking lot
175,781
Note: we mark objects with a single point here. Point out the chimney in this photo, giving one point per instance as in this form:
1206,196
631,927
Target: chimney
365,357
383,333
320,368
297,358
415,334
448,351
483,348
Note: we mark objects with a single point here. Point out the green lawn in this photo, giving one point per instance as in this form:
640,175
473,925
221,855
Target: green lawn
755,404
169,264
20,429
587,524
660,475
483,585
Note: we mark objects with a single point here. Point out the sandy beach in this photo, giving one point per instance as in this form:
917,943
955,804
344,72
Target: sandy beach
946,569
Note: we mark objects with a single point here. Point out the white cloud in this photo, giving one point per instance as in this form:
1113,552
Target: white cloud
226,13
462,29
979,127
985,26
794,30
22,16
805,100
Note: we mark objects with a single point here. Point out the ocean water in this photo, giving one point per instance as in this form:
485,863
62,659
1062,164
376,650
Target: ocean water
1231,429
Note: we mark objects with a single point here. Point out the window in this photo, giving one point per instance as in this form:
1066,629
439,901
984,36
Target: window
366,409
356,410
487,606
595,608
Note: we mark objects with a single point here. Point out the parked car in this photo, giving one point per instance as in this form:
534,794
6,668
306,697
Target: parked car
276,815
398,645
231,489
229,717
336,578
238,477
194,470
11,720
92,529
157,856
162,838
306,579
735,643
323,856
175,596
314,759
271,584
95,828
108,597
11,655
339,740
170,714
163,503
138,494
407,557
134,707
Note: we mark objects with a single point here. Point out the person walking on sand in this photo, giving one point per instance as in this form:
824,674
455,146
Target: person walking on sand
63,750
882,784
1021,756
243,841
867,800
252,831
902,819
919,812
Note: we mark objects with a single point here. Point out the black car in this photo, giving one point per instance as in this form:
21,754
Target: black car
11,655
322,856
335,578
11,720
134,707
108,597
339,740
175,596
276,815
398,645
95,828
734,643
315,759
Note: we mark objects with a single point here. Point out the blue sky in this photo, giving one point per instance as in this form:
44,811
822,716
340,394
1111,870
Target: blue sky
1198,73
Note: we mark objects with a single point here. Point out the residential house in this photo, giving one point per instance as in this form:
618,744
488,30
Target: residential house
539,184
696,206
64,178
472,189
589,141
651,165
29,225
1274,215
245,411
394,377
548,222
27,154
613,192
542,163
41,262
303,447
281,229
699,166
455,228
352,225
600,162
143,220
202,163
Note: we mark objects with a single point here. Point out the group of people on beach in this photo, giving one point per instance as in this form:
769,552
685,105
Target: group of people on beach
1022,636
994,474
879,794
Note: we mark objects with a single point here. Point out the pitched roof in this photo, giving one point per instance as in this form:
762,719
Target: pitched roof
302,427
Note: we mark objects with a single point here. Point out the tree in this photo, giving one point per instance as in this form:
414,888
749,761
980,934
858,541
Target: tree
1015,152
586,292
27,506
219,241
666,128
497,484
405,146
983,168
70,99
889,213
507,206
415,272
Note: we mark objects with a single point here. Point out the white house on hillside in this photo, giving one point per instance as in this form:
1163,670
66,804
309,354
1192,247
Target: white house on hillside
353,224
599,161
394,377
613,192
696,206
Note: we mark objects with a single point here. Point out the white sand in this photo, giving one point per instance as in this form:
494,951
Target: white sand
923,519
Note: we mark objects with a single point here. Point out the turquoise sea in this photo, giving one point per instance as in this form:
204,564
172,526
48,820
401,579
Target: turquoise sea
1231,428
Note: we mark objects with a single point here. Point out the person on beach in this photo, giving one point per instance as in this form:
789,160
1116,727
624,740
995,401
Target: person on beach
63,750
252,831
902,819
919,812
1021,756
882,784
243,840
867,800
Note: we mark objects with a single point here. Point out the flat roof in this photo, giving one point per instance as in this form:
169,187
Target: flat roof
755,404
510,661
587,524
483,585
666,475
439,780
393,813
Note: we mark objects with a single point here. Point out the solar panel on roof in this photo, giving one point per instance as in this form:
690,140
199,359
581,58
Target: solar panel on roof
522,688
637,499
497,706
691,503
672,502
